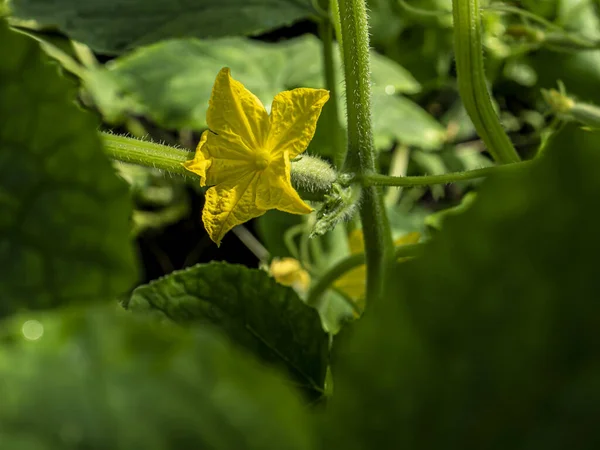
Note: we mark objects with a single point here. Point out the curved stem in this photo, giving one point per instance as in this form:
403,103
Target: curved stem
251,243
428,180
472,82
347,264
422,12
560,37
499,7
361,150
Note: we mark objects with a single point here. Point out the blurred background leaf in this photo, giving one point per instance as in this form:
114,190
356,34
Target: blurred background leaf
99,380
487,340
64,227
112,26
170,82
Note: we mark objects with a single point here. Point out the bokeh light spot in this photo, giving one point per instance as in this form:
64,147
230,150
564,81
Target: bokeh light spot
32,330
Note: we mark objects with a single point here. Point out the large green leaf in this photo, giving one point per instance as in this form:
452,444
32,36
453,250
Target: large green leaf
99,381
116,25
255,311
185,69
489,339
171,83
64,226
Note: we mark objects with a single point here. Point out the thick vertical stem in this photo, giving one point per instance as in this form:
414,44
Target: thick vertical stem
361,157
472,83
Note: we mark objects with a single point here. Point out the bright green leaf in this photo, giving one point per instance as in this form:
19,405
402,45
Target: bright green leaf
397,118
97,380
113,26
389,77
488,340
256,312
171,83
64,227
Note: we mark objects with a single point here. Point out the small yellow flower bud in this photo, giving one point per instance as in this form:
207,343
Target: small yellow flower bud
289,272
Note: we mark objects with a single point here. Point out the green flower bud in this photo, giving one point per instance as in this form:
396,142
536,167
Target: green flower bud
312,177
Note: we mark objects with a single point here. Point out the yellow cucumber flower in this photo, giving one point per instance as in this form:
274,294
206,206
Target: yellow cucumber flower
245,154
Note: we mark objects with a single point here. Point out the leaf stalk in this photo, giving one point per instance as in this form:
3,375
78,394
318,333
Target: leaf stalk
429,180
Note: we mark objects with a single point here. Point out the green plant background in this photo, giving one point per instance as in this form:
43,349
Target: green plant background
487,339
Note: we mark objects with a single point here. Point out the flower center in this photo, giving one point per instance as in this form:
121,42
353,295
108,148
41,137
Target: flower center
262,159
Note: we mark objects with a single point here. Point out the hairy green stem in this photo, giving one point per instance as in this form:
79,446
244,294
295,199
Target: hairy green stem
428,180
361,150
170,160
472,82
147,154
345,265
331,108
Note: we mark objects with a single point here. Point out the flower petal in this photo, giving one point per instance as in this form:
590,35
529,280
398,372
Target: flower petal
201,163
237,114
229,204
217,160
275,191
293,119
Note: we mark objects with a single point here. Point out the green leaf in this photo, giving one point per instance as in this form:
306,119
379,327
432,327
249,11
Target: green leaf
256,312
99,380
489,338
171,82
398,118
389,76
64,227
112,26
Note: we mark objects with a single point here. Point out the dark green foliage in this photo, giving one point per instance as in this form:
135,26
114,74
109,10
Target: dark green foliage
64,220
116,25
488,340
99,381
260,315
